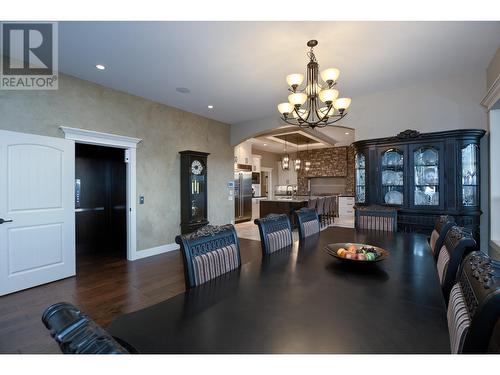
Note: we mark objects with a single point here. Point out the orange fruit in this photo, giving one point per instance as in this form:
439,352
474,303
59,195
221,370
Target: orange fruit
352,249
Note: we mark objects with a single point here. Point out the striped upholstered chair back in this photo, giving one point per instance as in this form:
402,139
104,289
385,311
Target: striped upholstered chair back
275,232
312,203
378,218
308,222
320,206
457,243
208,253
442,226
474,305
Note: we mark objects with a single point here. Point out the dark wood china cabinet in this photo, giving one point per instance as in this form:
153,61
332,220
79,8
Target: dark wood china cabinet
194,213
422,175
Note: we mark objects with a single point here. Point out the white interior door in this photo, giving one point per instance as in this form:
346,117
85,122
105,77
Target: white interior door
37,230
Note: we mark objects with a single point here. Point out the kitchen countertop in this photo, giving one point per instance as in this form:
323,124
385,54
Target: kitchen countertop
295,200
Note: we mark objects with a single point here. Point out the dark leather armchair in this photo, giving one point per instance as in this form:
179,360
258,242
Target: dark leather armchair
209,252
275,232
474,305
308,222
441,228
76,333
458,242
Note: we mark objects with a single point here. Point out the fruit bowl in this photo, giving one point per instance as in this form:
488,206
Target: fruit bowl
356,252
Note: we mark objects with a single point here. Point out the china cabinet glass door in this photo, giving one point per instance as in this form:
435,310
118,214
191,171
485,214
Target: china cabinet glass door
426,174
360,178
470,179
392,172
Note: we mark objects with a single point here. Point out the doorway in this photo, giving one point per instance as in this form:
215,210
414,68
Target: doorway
100,202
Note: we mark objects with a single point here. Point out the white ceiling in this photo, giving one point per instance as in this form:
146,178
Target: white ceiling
240,67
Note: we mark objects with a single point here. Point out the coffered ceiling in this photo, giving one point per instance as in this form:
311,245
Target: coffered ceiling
239,67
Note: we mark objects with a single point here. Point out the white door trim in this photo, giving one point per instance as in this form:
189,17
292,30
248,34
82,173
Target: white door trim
130,145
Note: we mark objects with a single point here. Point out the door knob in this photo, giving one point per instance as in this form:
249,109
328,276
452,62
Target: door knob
5,221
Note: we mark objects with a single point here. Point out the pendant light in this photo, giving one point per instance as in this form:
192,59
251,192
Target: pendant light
298,162
285,161
307,164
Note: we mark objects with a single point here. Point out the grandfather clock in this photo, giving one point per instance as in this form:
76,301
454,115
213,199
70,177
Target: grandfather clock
193,190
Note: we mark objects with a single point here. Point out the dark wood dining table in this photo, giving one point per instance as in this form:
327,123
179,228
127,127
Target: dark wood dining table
303,300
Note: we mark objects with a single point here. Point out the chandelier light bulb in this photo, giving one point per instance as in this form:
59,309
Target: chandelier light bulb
294,79
297,99
328,96
330,75
285,108
342,103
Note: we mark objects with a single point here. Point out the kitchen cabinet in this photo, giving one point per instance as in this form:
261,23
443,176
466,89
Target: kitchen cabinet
422,175
256,208
285,206
346,206
256,163
243,153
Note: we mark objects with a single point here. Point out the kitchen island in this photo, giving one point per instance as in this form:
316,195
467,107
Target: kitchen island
282,206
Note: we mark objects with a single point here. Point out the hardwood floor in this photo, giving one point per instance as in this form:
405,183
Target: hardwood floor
104,288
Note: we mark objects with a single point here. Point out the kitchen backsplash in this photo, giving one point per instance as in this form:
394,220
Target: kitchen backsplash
328,162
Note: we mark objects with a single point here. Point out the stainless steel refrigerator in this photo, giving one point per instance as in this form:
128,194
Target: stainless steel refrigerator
242,195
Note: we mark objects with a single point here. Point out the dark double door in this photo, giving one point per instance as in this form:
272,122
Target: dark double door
100,200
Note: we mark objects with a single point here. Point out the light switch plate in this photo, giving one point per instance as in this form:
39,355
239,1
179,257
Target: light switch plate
141,199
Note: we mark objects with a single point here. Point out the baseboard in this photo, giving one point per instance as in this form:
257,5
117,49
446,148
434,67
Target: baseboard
155,251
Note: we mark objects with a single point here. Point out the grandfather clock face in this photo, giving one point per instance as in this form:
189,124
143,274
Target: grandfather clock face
196,167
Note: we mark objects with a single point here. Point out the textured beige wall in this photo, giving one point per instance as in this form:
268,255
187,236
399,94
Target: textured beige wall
165,131
493,71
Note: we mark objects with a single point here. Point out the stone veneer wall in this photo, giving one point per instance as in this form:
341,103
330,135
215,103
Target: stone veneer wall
328,162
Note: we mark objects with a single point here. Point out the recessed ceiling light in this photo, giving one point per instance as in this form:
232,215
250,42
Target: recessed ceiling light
183,90
210,106
265,144
346,133
100,67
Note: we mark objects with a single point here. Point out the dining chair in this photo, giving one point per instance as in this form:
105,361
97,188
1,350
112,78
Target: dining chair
457,243
442,226
312,203
474,305
209,252
275,232
76,333
320,209
308,222
331,210
376,218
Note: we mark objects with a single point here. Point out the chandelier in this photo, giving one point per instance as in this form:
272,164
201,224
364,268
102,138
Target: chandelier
316,104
